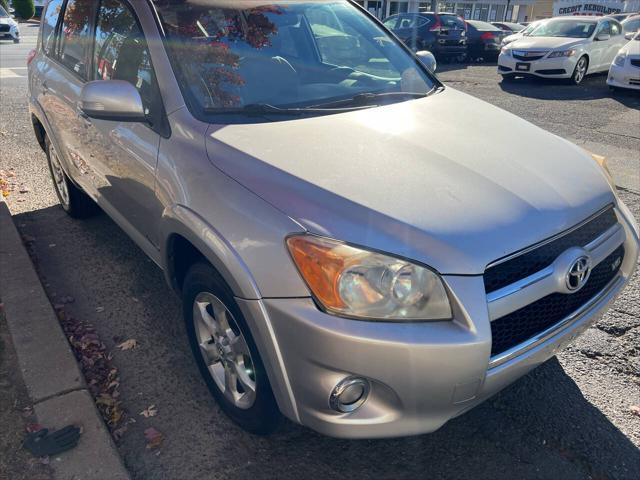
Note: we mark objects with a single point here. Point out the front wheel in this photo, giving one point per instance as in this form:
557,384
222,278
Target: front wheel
226,353
580,71
16,40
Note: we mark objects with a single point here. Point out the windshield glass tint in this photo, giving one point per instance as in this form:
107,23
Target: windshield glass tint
565,28
3,12
230,54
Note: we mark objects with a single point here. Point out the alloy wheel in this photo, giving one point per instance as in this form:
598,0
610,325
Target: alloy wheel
581,70
224,350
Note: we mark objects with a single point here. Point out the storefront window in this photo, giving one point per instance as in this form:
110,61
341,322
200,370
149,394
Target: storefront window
481,12
398,7
447,7
464,10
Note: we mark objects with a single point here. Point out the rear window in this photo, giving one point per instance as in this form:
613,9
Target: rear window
483,26
453,22
75,35
49,22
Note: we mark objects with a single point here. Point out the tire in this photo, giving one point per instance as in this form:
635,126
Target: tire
230,356
580,71
16,40
74,201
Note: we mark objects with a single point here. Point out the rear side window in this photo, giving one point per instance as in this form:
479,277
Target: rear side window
412,21
49,22
75,35
616,29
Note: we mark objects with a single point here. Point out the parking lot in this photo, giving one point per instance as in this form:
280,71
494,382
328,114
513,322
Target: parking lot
569,419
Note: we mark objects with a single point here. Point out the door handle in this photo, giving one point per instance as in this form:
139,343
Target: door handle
45,87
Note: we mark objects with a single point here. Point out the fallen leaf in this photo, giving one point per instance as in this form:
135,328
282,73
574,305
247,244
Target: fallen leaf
154,438
150,411
128,344
635,409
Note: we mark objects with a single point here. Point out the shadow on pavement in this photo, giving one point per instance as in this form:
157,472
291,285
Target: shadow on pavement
541,427
592,87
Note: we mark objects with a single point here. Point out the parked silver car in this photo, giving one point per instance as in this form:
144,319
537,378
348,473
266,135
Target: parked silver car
353,247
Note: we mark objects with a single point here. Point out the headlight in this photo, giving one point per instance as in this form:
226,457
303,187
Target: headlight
620,58
563,53
351,282
505,50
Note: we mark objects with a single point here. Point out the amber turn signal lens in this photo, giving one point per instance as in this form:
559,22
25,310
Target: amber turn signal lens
320,265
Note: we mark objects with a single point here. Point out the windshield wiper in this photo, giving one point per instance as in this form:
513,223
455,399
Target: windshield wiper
371,99
267,108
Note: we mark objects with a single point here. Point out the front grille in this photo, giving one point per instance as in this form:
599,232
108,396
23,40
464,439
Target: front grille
518,326
533,261
4,28
635,62
528,56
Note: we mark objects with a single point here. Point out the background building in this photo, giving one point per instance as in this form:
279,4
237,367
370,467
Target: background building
495,10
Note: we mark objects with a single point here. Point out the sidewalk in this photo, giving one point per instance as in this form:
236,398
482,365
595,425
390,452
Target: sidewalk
54,383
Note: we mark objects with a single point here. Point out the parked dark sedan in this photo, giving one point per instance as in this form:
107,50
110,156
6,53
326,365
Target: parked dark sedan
483,40
509,27
442,34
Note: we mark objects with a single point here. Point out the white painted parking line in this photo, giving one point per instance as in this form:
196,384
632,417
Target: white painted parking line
11,73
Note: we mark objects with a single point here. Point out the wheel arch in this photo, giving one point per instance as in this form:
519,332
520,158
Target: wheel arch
182,247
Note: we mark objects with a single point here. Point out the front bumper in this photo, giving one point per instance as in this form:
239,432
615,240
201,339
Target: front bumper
627,76
13,33
421,374
561,67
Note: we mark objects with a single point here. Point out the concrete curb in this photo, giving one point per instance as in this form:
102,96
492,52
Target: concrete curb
49,369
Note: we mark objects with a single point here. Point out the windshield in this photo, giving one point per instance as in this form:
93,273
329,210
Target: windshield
565,28
235,54
3,12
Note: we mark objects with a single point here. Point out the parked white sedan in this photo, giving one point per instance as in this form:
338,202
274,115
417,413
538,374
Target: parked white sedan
564,47
625,69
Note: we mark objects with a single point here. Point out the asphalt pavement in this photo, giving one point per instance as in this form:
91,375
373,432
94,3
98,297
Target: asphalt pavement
568,419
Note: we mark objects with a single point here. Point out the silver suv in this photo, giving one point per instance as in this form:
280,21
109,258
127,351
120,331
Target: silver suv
356,246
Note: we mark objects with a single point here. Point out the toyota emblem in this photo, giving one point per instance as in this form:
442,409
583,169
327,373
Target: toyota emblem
578,274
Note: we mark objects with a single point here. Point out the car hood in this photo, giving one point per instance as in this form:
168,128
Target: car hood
447,180
546,43
632,48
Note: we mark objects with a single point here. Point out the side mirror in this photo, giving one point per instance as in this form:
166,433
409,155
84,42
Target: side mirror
428,60
629,35
115,100
603,37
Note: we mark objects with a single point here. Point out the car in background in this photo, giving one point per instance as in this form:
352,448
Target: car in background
619,17
564,47
444,35
483,40
509,27
631,24
8,26
625,69
522,33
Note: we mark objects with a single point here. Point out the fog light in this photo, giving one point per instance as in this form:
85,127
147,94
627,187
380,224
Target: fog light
349,395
